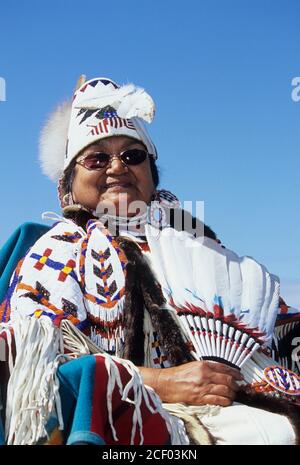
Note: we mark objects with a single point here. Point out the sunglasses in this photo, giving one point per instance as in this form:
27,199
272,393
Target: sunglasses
100,160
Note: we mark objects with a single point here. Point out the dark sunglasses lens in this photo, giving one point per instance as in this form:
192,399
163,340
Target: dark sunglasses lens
96,160
134,157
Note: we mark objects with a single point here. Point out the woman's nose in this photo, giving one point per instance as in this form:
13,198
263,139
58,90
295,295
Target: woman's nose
116,166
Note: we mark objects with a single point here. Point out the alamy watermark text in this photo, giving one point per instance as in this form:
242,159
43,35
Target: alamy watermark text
296,89
2,89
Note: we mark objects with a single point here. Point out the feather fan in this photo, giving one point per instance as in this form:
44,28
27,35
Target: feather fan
226,304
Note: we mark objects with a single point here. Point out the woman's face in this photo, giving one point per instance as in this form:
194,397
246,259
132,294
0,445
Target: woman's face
116,185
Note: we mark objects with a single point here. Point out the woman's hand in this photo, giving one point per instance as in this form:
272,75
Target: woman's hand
194,383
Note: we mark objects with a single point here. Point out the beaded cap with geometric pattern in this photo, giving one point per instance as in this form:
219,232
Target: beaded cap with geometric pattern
100,108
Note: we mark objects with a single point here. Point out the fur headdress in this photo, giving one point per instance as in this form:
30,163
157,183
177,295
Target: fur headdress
100,109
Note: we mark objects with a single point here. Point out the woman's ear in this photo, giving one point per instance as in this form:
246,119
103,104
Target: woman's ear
73,194
68,199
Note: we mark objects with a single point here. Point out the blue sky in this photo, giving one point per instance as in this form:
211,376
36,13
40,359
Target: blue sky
227,129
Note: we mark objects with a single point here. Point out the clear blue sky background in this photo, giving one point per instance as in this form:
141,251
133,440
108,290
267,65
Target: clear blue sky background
227,129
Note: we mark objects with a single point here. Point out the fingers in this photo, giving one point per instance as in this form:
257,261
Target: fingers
217,400
200,382
225,380
221,390
225,369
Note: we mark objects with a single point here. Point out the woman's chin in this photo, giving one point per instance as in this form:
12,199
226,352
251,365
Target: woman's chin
121,204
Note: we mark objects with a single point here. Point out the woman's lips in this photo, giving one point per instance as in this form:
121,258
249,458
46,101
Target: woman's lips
118,186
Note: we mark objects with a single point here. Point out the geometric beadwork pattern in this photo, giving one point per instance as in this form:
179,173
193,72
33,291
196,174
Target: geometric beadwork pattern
97,271
109,271
160,358
65,269
69,307
42,259
45,283
99,256
282,379
102,271
5,307
68,237
102,127
42,293
107,291
105,112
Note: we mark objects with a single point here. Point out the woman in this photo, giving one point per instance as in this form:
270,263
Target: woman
98,269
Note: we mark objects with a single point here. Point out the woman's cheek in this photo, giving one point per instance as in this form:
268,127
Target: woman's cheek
90,196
